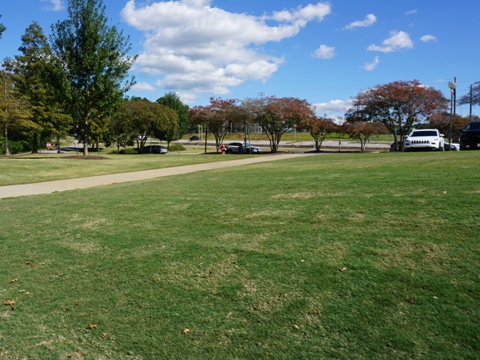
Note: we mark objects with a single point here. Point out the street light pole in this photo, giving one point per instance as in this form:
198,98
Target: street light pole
453,94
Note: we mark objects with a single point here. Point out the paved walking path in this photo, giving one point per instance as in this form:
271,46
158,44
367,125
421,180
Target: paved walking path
92,181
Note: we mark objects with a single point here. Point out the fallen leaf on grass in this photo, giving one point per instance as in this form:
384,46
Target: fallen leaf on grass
77,303
409,301
104,335
185,331
21,291
296,327
29,263
10,303
342,269
13,280
92,326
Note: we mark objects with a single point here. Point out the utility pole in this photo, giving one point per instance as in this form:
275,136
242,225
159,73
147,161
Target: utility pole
471,101
453,96
7,152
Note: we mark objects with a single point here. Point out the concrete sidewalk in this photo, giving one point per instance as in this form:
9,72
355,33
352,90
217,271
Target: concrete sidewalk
92,181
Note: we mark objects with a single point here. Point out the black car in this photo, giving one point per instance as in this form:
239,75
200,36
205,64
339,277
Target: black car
470,137
154,149
194,138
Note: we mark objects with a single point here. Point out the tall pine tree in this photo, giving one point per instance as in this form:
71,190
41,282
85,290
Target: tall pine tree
34,69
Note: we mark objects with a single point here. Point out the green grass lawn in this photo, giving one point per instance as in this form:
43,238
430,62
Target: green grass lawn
40,167
351,256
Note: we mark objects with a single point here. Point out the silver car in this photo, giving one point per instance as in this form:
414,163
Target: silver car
240,148
452,146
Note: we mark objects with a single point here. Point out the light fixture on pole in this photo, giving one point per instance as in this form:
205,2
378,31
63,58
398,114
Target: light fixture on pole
453,94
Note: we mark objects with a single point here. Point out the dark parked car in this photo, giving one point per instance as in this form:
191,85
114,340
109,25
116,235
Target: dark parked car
154,149
470,137
395,146
194,138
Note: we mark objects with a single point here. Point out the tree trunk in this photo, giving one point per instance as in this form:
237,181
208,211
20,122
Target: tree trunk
7,152
35,143
363,144
85,139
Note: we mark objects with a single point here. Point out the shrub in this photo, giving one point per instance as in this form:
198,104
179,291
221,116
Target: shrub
124,151
15,147
176,147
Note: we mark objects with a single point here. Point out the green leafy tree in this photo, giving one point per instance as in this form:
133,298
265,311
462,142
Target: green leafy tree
14,109
278,115
2,28
118,131
398,106
173,101
143,118
93,64
34,81
166,126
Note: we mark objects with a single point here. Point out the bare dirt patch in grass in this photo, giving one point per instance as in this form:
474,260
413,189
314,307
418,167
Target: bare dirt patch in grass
410,254
331,254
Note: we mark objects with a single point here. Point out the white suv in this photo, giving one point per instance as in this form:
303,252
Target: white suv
424,139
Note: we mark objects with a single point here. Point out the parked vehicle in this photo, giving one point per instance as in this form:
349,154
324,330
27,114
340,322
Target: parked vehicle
424,139
395,146
452,146
194,138
241,148
154,149
470,136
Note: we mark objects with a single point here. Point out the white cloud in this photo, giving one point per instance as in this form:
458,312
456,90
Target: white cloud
369,20
371,66
324,52
411,12
427,38
57,5
398,40
142,86
192,46
301,15
332,108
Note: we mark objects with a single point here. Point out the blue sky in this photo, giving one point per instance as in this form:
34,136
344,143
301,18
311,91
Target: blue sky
324,52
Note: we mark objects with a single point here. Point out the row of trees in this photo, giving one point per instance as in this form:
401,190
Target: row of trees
139,119
77,79
394,108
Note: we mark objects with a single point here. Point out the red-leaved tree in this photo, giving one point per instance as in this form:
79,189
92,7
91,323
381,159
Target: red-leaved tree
363,131
398,106
216,117
319,128
277,115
